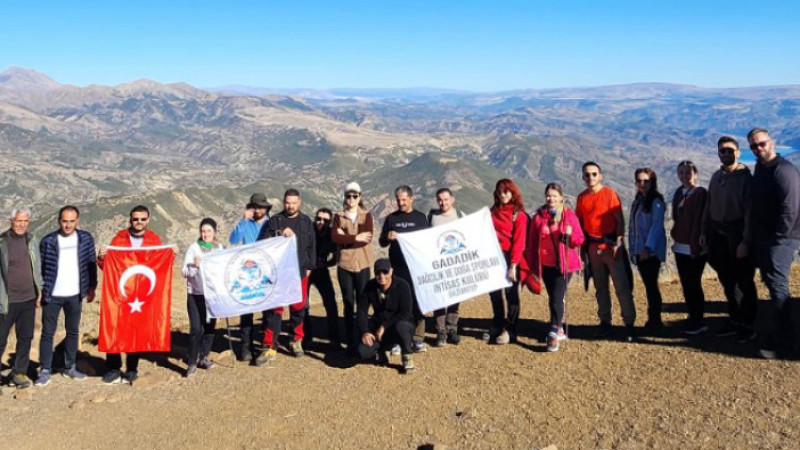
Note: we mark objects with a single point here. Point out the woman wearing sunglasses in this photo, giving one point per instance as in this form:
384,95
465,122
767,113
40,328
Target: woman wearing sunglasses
352,233
648,241
688,204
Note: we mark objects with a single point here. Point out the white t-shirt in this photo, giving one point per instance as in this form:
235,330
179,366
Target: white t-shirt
68,277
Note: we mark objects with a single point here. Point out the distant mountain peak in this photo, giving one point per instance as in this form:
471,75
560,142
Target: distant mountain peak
20,78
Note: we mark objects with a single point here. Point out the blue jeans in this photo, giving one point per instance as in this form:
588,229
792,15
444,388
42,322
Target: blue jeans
72,322
774,260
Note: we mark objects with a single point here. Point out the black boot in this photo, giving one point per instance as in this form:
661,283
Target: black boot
247,344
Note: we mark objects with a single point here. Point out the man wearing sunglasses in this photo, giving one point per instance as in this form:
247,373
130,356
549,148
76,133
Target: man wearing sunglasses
774,218
392,317
600,213
136,235
725,232
321,277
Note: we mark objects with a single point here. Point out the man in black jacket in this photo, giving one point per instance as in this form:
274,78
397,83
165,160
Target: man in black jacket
405,220
69,274
776,236
290,222
391,321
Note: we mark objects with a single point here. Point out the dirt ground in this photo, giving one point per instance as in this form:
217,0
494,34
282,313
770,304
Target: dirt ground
665,392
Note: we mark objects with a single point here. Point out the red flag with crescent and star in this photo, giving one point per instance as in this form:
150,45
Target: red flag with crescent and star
137,296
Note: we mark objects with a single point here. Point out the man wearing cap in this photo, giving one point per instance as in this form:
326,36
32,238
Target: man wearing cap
392,317
405,220
254,218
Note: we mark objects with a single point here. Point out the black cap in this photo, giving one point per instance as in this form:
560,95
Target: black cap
383,264
259,201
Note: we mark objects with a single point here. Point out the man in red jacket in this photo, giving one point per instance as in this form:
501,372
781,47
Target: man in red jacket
136,235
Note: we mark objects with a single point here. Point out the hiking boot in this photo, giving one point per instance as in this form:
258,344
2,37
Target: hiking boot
266,357
131,376
503,338
512,338
745,335
190,371
44,378
606,331
382,358
408,363
206,364
21,381
247,346
419,347
113,376
441,340
694,329
453,337
74,374
727,330
552,342
297,349
396,350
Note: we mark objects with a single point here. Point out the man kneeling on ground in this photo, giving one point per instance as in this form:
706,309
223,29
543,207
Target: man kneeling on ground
392,320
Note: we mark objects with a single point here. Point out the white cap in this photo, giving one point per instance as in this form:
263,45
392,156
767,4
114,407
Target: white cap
352,187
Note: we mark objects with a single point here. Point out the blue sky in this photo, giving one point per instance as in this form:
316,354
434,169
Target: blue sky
483,46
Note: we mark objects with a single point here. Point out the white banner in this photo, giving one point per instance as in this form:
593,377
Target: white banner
251,278
454,261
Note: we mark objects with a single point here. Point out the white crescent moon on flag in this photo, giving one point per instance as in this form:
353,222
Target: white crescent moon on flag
137,270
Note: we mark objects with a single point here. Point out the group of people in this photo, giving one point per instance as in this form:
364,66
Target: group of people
743,221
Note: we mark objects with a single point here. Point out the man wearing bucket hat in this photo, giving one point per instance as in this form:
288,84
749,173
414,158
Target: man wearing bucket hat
254,217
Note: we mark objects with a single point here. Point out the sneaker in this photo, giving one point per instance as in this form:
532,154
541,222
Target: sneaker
266,357
606,331
727,330
297,349
206,364
396,350
768,354
131,376
441,340
630,333
44,378
552,342
21,381
419,347
694,329
113,376
745,335
502,339
190,371
453,337
491,334
408,363
74,374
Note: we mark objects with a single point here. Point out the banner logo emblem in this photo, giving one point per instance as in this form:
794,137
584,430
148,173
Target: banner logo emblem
451,242
250,277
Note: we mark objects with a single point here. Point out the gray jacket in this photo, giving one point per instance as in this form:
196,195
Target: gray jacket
33,251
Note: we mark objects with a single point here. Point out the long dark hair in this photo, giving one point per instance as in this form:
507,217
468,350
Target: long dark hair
516,196
652,191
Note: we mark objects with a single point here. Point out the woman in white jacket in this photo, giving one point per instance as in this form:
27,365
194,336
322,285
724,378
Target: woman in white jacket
201,329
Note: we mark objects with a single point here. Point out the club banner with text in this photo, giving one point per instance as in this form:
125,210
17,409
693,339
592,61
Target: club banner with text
137,296
455,261
252,278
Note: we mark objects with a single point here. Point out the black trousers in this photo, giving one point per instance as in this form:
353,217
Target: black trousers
737,277
401,270
201,331
401,333
72,323
352,285
499,319
114,361
690,271
649,270
21,316
246,327
556,286
321,278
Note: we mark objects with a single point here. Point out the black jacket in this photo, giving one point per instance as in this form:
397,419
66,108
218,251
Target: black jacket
304,233
388,307
326,249
400,222
776,201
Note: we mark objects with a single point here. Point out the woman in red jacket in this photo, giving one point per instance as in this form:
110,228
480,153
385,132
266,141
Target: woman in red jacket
511,224
554,238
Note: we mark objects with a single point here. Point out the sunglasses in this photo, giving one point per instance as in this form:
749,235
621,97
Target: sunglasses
642,181
726,151
321,219
352,196
140,220
755,145
588,175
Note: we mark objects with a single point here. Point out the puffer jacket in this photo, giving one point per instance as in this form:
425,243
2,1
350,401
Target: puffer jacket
87,263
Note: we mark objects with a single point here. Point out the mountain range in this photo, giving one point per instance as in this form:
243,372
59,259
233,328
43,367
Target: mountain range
191,152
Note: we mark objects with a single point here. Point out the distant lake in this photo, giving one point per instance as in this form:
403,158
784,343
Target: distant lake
748,157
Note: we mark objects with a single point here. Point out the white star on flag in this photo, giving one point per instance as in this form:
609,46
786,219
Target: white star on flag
136,305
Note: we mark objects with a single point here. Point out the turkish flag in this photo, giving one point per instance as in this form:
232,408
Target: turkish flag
137,296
